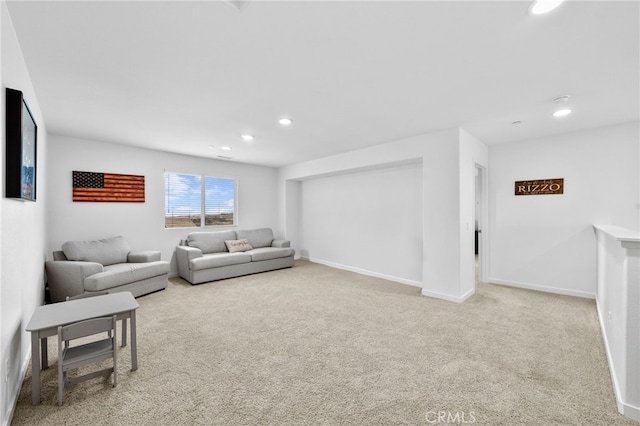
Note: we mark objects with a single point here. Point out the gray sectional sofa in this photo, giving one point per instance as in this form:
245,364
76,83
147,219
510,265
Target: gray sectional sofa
211,256
104,265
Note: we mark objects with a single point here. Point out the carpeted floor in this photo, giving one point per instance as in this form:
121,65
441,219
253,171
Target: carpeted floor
314,345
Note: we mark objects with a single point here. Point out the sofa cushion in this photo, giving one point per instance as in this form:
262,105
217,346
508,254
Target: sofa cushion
216,260
210,242
235,246
124,273
257,237
108,251
143,256
266,253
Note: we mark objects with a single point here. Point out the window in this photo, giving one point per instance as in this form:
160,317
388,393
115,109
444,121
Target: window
194,200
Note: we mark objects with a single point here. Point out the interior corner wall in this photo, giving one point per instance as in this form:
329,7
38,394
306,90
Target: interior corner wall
142,224
367,221
547,242
441,219
23,230
439,155
289,212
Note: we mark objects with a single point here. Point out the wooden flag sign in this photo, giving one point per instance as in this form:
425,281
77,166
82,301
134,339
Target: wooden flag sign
107,187
540,187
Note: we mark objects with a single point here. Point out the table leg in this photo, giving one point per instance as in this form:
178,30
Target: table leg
134,342
124,332
43,349
35,368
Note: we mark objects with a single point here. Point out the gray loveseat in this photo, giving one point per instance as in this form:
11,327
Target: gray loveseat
211,256
104,265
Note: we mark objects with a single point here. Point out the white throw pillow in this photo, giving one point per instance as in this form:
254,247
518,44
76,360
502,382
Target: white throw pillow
235,246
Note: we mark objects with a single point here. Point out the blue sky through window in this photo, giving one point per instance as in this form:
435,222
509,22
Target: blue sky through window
183,200
219,195
182,194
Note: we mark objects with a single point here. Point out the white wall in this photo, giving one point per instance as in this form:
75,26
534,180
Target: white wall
443,155
441,273
394,153
347,217
449,211
546,242
22,247
142,224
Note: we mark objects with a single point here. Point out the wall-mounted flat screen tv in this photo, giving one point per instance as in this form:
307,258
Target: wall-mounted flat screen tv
21,149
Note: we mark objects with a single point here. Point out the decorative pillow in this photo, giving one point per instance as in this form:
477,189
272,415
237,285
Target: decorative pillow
235,246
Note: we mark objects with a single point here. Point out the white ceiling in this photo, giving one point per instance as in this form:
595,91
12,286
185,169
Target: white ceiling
181,76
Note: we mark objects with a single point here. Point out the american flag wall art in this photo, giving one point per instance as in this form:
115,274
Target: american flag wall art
107,187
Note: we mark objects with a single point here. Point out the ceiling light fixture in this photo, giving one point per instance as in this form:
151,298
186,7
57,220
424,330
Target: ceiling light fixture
247,137
544,6
225,148
561,100
285,121
562,113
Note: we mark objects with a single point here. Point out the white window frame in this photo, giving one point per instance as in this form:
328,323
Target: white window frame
203,203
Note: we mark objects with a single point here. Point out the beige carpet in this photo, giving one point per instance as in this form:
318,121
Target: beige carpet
314,345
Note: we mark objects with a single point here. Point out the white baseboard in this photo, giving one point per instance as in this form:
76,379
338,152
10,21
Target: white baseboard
623,408
612,369
363,271
630,411
450,298
14,394
457,299
555,290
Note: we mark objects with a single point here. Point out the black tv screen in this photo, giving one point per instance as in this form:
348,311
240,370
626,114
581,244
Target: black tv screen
21,149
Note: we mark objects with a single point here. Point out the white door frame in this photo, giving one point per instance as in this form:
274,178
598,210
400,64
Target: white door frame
481,195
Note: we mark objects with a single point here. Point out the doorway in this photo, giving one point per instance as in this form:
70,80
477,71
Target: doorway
480,221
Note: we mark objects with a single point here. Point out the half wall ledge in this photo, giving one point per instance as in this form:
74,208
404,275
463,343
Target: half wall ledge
618,304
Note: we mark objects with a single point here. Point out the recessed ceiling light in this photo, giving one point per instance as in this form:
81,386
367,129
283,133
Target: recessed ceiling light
225,148
562,112
563,99
246,137
544,6
285,121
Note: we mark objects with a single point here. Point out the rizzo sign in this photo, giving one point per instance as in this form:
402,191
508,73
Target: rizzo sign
540,187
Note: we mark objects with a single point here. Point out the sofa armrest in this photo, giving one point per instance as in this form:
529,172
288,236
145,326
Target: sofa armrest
183,255
143,256
281,243
66,277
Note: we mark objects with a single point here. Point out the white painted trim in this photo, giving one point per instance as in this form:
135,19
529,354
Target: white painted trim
16,392
629,410
484,237
555,290
448,297
623,235
623,408
363,271
612,369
